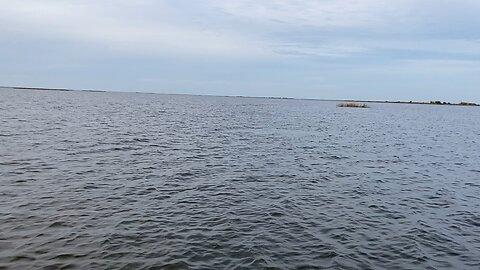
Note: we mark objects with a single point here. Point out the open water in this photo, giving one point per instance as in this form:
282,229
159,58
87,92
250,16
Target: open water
149,181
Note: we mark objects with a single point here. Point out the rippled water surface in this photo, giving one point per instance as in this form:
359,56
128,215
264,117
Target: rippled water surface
144,181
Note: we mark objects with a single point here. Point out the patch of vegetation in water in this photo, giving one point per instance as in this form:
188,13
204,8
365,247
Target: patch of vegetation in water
352,105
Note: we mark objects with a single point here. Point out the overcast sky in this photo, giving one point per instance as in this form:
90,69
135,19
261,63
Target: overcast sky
362,49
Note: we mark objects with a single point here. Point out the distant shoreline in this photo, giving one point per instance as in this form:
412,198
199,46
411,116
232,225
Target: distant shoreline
52,89
438,103
444,103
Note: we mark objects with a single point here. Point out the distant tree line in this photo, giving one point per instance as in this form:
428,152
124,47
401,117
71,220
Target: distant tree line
449,103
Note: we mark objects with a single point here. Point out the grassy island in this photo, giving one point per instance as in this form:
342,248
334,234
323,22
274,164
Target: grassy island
352,105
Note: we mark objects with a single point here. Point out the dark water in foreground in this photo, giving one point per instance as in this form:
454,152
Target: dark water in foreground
142,181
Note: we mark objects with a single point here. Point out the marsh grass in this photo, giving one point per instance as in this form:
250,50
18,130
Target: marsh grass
353,105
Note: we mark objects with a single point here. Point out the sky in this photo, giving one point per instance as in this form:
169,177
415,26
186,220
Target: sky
329,49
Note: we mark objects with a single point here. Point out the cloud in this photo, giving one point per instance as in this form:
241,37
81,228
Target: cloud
243,28
95,22
373,15
395,48
324,14
329,28
319,50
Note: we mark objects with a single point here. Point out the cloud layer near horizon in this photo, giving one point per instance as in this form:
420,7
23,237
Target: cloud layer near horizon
399,49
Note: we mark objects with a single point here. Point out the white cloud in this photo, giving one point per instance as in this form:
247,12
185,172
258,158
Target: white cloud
320,13
448,67
94,22
332,28
243,28
319,50
373,15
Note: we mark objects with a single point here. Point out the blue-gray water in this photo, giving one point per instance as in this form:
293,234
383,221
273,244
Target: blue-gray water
144,181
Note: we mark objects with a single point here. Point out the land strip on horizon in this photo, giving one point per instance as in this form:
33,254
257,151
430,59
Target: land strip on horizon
337,100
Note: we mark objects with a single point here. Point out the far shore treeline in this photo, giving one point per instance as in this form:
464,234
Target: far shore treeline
463,103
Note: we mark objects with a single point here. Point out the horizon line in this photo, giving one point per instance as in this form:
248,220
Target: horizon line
433,102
